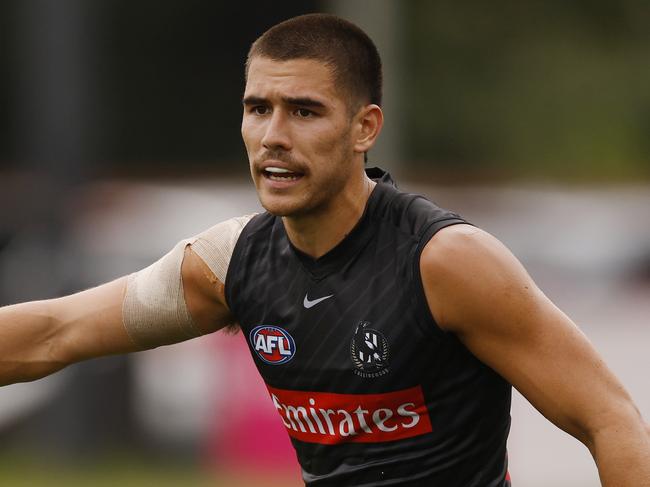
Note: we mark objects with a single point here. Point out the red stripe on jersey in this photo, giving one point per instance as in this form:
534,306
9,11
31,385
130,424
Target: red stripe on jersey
330,418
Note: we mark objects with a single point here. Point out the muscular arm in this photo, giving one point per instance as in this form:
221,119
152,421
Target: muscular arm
41,337
479,291
204,295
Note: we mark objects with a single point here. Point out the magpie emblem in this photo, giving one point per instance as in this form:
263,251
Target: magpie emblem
369,351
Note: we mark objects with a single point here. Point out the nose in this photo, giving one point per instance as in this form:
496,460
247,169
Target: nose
276,135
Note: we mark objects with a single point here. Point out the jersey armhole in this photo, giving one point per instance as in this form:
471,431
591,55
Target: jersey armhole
233,274
425,318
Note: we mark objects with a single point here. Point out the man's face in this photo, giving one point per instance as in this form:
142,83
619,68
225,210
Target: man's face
297,131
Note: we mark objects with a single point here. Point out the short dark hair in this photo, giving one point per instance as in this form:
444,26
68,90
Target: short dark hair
342,45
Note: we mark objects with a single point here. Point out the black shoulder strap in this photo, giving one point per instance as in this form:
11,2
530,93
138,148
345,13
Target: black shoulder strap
236,267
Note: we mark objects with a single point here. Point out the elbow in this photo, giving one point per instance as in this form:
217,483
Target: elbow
33,345
28,369
56,354
53,352
626,423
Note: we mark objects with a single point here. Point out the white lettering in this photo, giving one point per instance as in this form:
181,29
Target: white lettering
342,423
260,344
347,419
286,413
362,420
278,406
281,343
326,414
299,410
402,411
380,422
314,415
271,343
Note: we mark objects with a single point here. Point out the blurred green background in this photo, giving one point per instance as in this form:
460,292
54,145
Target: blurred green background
25,471
532,89
506,89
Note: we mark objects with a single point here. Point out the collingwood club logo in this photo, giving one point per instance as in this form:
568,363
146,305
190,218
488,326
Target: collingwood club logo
369,350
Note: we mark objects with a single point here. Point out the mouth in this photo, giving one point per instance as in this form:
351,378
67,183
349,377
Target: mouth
281,174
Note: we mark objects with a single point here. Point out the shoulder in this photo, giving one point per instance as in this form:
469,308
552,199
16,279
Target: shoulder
209,253
205,268
412,213
459,241
228,229
466,272
216,244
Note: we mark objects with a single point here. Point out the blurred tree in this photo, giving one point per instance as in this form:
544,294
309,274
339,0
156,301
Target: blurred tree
541,88
536,88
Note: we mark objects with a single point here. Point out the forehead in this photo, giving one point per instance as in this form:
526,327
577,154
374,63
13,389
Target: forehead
292,78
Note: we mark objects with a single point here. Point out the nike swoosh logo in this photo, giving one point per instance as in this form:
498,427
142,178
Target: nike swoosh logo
307,303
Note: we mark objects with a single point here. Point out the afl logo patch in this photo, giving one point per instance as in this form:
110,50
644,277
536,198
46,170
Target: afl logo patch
272,344
369,351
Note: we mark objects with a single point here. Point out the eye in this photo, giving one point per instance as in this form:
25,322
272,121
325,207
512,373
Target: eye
304,113
259,110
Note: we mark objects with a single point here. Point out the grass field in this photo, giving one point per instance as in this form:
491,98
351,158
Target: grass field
32,470
25,471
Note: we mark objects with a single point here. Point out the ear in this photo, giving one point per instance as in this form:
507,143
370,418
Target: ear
369,122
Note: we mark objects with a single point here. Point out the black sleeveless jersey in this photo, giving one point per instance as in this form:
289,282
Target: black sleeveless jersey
372,392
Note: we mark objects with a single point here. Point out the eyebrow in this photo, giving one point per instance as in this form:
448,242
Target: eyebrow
303,101
254,100
298,101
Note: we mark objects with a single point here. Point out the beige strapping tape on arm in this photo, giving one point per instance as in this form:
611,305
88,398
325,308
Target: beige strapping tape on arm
215,245
154,309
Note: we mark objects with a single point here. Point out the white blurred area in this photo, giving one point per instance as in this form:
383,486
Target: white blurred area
588,249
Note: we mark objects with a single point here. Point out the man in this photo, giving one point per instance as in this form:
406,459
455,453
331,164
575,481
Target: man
388,330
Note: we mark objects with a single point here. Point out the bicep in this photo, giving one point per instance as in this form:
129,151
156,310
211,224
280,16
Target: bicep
479,291
204,294
178,297
205,267
173,300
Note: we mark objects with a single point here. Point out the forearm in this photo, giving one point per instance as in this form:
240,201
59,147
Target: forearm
41,337
28,348
622,452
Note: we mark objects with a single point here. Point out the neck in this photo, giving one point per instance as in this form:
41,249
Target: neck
319,232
